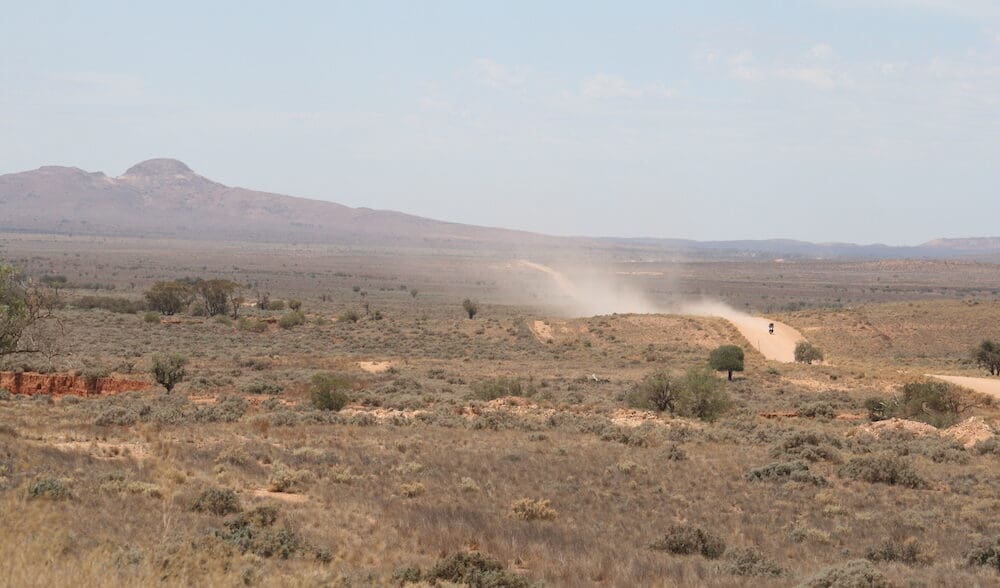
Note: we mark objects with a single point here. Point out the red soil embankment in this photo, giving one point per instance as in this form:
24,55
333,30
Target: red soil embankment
61,384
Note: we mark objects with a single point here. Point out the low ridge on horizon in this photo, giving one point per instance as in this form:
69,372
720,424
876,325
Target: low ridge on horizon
164,197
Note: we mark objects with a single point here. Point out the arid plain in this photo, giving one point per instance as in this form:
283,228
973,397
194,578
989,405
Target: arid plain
523,446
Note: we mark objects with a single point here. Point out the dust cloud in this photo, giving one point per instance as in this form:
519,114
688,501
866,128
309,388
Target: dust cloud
588,291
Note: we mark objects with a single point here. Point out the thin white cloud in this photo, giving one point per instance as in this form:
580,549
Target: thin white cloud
821,51
498,75
743,67
607,86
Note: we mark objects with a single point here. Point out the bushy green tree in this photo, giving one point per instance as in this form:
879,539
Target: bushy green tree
169,297
168,370
727,358
21,306
471,307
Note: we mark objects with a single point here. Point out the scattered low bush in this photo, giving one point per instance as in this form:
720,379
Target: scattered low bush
806,352
855,573
794,471
49,489
291,319
808,445
909,551
115,304
527,509
466,569
497,388
883,469
750,562
217,501
934,403
251,325
986,553
261,387
690,540
329,392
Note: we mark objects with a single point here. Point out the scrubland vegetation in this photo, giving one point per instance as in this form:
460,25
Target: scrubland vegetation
379,437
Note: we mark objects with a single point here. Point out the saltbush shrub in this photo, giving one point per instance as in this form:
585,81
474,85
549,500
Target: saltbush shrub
795,471
48,488
986,553
690,540
882,469
217,501
329,391
855,573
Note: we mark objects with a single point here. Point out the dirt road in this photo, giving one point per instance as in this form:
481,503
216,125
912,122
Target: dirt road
777,347
990,386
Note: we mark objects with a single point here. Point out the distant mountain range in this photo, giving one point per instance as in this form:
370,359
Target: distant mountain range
164,198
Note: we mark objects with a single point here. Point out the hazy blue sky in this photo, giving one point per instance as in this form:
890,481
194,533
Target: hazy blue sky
859,120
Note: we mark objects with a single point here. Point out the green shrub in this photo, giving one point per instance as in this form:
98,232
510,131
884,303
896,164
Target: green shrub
750,562
689,540
295,305
931,402
909,552
227,410
168,370
254,534
808,445
985,554
656,392
251,325
117,415
151,317
883,469
287,479
261,387
703,398
111,304
217,501
497,388
48,488
856,573
349,316
934,403
806,352
276,305
473,569
823,410
795,471
329,391
291,319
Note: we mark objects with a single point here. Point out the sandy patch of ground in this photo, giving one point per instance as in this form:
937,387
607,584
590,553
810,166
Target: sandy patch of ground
817,385
375,367
988,386
542,331
382,414
969,432
103,449
282,496
879,428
